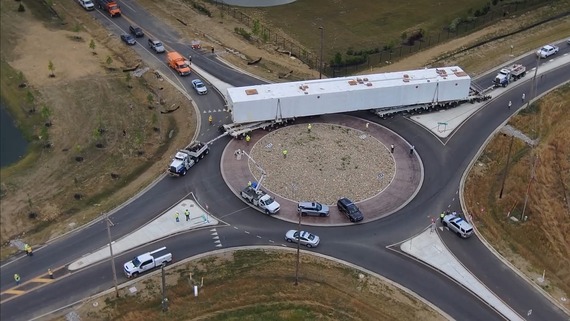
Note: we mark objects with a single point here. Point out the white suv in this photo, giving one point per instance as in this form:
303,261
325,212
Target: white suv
547,51
458,225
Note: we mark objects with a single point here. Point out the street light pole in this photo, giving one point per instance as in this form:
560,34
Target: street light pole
112,256
321,59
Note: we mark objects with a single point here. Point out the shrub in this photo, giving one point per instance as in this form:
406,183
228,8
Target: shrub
202,9
21,7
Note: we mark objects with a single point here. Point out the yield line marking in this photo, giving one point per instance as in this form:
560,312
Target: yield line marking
41,280
16,292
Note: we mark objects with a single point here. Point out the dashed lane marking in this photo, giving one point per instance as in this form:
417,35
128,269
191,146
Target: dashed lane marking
246,232
258,236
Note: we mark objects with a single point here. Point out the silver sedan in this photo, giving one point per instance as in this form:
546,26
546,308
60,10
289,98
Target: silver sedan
304,238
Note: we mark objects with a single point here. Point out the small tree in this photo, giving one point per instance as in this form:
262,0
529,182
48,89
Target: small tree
51,69
21,7
109,60
92,46
150,100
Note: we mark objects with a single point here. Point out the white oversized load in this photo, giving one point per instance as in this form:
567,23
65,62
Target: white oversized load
336,95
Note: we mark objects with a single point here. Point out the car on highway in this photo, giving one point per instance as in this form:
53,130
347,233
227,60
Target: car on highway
312,209
136,31
457,225
348,208
547,51
304,238
128,39
199,87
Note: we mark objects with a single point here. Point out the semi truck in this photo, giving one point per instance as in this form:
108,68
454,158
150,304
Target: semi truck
386,94
177,62
508,74
146,262
110,6
187,157
260,199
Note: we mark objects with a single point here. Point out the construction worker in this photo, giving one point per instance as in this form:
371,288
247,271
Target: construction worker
309,128
177,216
249,184
247,139
523,97
187,214
441,216
17,278
210,119
510,104
284,153
50,273
28,249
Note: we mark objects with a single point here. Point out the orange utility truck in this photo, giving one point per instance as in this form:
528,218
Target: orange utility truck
110,6
178,63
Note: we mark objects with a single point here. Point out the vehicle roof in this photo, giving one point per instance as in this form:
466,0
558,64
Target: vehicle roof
345,201
144,257
462,223
341,84
307,204
547,47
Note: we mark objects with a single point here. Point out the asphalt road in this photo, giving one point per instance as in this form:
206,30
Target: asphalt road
364,245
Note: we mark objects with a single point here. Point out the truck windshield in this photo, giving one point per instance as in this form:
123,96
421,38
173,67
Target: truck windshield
136,262
269,201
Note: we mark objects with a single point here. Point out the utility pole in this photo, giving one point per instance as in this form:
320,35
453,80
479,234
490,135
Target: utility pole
532,173
109,223
164,298
294,188
321,59
533,89
507,167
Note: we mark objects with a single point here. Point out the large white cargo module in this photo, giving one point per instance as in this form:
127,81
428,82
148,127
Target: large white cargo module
346,94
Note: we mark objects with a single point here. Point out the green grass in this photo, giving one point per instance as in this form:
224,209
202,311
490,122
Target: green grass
366,24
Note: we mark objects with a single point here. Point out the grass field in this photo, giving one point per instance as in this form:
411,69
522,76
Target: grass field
542,236
363,25
259,285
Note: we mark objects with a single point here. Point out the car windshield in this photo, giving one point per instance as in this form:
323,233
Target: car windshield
136,262
311,237
158,44
199,85
318,207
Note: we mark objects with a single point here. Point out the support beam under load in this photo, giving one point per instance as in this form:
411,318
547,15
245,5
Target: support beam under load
346,94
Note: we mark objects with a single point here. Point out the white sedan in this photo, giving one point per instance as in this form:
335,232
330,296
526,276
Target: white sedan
199,87
304,238
547,51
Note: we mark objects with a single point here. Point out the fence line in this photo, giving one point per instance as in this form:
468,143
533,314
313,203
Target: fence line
388,53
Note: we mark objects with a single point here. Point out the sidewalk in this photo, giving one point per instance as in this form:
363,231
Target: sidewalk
163,226
428,248
443,123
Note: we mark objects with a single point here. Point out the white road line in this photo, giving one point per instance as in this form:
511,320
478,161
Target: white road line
246,232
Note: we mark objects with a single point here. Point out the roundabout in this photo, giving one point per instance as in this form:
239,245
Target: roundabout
339,156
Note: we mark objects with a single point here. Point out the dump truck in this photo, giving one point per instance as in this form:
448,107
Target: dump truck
110,6
146,262
508,74
187,157
177,62
386,94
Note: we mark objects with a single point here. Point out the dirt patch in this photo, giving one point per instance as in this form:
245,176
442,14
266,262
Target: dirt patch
264,290
537,241
98,134
325,164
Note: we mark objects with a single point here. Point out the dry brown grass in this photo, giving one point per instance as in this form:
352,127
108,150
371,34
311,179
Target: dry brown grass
259,285
542,240
87,94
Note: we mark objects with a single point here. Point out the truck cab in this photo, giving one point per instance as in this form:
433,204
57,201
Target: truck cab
178,63
260,199
181,163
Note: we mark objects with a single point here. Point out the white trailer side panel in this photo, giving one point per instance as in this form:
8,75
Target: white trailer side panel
337,95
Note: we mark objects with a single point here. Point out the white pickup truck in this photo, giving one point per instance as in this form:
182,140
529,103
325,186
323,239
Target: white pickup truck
87,4
147,261
260,199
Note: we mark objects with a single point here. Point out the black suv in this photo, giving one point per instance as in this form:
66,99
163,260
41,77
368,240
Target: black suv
136,31
350,209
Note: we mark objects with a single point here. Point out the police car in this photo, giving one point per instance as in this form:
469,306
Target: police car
458,225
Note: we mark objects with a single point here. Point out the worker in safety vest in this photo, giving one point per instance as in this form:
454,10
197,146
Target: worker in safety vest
247,139
17,278
441,216
210,119
28,249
